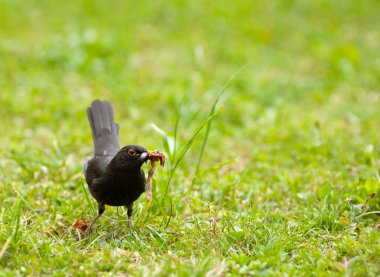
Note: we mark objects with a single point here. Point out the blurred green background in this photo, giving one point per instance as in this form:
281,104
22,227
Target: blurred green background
290,160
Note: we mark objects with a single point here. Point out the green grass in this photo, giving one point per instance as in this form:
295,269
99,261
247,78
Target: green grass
279,184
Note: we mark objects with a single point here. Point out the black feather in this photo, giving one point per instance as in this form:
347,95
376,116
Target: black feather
104,129
114,177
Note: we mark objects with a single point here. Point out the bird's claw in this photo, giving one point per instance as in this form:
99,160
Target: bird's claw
86,233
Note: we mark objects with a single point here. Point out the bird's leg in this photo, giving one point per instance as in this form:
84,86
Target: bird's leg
129,213
101,209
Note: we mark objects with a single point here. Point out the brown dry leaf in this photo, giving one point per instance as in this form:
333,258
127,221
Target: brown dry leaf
80,225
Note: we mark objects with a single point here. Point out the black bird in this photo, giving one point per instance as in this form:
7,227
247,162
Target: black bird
114,176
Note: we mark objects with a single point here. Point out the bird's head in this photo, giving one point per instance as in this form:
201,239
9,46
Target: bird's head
131,156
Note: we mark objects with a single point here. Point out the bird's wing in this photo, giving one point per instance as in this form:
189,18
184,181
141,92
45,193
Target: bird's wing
95,167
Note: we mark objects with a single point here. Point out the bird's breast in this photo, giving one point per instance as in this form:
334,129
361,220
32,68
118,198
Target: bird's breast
118,189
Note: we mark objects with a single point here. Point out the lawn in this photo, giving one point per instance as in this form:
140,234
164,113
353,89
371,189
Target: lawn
281,180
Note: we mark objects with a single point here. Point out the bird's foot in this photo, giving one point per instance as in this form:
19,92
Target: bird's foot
130,223
87,232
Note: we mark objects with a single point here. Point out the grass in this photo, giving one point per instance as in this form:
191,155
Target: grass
284,181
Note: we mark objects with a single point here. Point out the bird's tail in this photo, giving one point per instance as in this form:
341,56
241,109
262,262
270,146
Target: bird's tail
104,130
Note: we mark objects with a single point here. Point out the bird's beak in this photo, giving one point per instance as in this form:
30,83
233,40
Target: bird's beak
144,156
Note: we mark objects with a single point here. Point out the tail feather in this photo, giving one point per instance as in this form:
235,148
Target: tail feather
104,129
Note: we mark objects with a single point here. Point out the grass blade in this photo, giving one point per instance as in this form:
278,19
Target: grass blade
186,148
212,111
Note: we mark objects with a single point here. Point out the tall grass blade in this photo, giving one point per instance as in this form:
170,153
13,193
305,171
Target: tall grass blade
205,139
185,149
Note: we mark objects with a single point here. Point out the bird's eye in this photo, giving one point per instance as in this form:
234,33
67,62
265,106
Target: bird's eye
131,152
